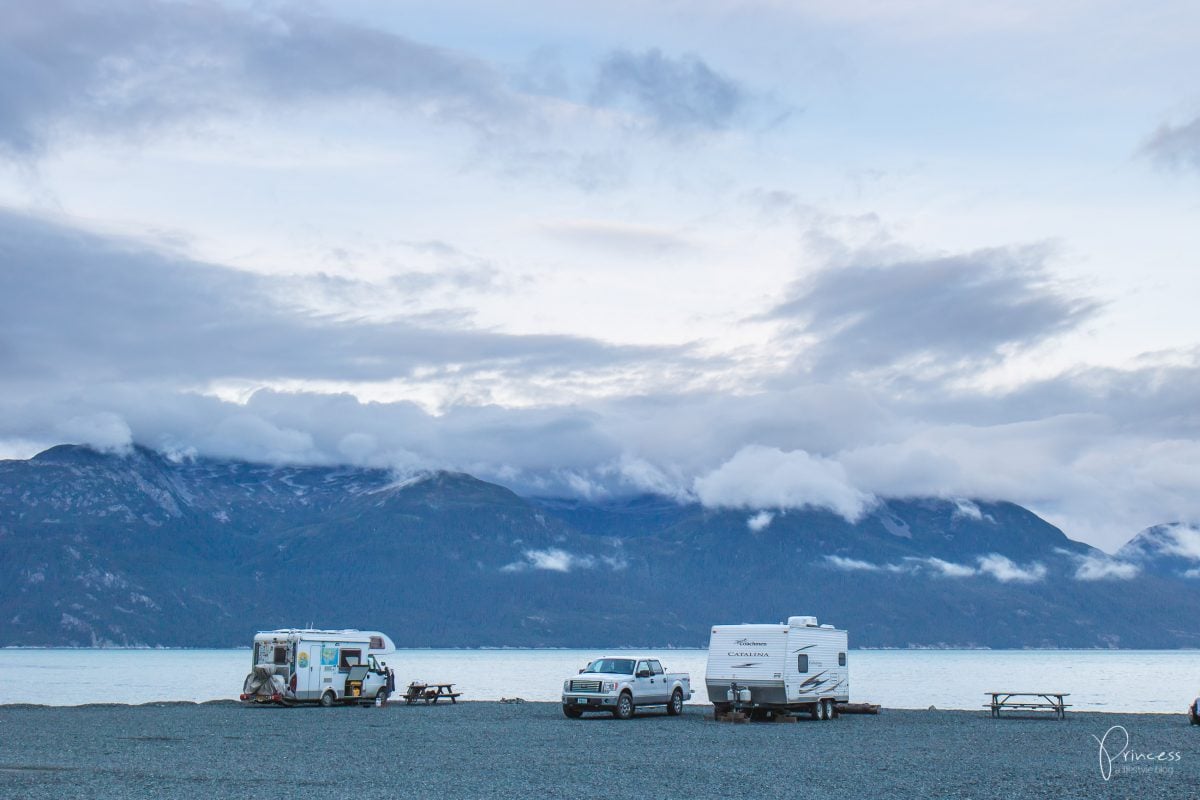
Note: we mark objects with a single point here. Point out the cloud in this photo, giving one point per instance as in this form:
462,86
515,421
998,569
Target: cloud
910,565
767,477
680,94
1176,146
133,64
940,313
103,431
620,238
965,509
92,308
1174,539
852,564
760,521
949,569
1097,568
1005,570
552,560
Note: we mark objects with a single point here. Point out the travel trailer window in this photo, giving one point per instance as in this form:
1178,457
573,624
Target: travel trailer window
281,654
350,658
841,659
802,662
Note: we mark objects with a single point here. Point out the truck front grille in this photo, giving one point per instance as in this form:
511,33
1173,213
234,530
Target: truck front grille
585,686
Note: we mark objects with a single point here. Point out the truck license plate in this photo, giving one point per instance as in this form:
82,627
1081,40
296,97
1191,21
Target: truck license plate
581,701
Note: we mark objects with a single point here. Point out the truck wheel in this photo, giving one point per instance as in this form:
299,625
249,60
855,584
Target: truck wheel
675,707
328,699
624,706
570,712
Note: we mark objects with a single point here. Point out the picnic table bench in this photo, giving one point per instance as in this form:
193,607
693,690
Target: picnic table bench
430,692
1029,701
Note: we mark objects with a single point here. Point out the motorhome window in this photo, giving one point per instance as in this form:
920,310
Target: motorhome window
281,654
802,662
612,666
656,668
350,658
376,642
841,659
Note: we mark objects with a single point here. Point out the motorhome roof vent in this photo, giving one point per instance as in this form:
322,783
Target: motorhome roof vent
802,622
827,625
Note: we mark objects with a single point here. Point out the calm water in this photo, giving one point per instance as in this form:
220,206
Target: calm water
1098,680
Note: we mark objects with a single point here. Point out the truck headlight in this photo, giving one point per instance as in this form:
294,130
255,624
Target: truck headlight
608,686
566,686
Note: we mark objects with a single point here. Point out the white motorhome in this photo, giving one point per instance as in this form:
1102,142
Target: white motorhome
796,665
294,665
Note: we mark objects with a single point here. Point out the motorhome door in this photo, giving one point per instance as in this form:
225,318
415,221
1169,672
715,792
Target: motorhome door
308,670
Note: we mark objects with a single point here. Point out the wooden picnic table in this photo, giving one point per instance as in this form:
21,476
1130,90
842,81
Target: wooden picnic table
430,692
1029,701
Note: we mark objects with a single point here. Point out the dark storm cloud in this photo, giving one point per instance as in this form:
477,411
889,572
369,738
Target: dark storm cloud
92,308
129,64
678,94
952,311
1176,145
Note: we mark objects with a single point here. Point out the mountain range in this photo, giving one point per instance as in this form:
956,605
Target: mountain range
138,549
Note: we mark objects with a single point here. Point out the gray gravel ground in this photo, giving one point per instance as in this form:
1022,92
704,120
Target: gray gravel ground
492,750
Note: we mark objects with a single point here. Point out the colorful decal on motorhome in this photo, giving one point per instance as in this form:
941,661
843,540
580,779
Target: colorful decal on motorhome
302,659
329,656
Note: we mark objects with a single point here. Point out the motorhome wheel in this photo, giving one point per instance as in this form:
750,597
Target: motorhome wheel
624,706
328,699
676,706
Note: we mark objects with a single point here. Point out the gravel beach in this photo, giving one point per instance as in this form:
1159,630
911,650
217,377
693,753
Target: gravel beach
222,750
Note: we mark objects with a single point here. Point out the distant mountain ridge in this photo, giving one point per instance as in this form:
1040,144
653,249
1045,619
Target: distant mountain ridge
141,549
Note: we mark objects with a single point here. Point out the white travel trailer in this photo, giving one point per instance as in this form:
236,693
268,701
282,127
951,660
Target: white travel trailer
301,665
796,665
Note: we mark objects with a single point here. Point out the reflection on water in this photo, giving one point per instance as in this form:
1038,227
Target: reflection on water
1098,680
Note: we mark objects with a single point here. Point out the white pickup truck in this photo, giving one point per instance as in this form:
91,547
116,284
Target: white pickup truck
620,685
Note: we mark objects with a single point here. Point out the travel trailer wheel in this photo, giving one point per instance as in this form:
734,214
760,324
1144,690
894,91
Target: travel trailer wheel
826,711
572,713
815,710
328,699
624,706
675,708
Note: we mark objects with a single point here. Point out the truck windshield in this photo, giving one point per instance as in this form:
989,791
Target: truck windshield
616,666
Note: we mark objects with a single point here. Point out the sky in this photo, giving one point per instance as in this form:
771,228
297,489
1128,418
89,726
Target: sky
761,255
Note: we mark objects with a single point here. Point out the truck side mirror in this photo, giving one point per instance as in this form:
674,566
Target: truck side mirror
581,672
644,673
